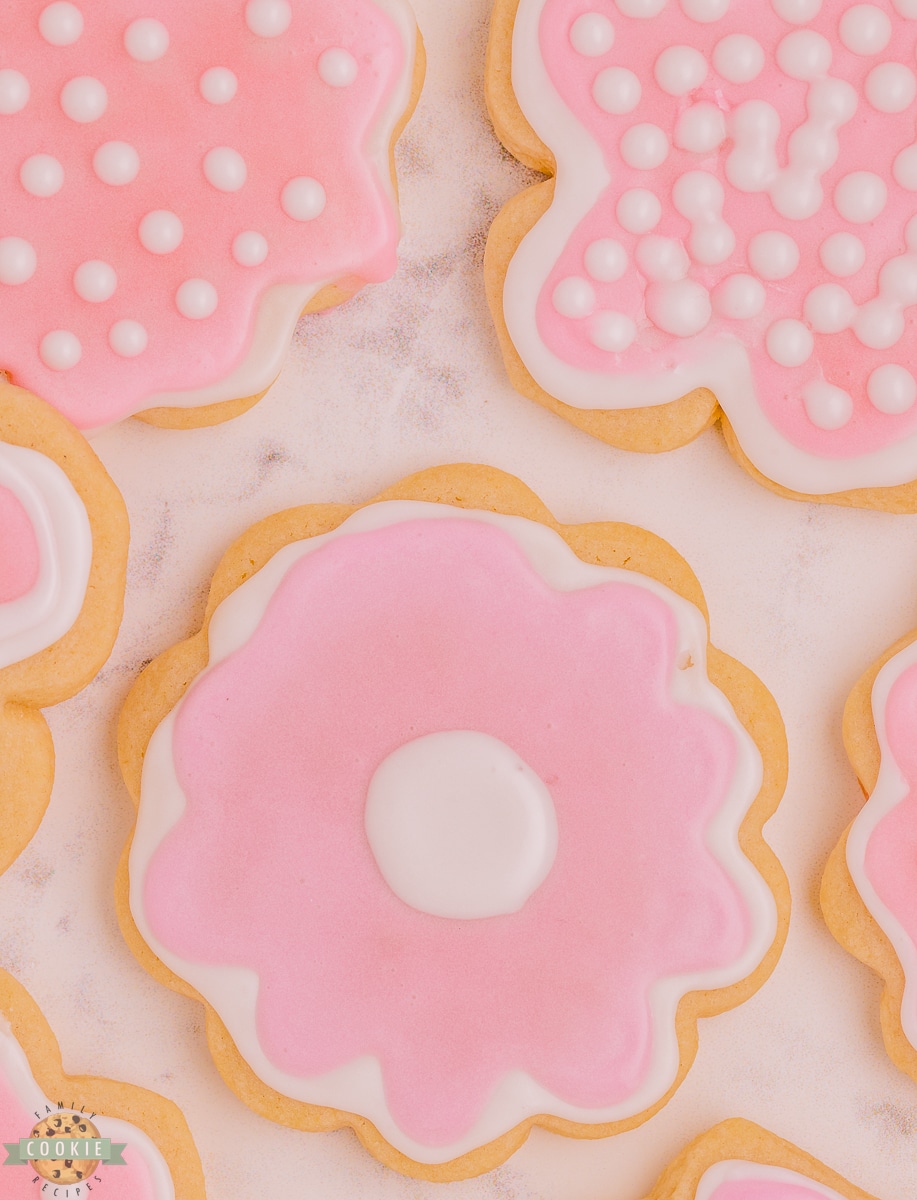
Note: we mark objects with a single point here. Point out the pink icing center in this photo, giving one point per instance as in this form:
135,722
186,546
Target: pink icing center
129,1182
891,853
377,639
765,1189
19,556
869,142
283,123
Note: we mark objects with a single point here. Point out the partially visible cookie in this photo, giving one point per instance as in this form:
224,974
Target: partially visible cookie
145,1150
468,810
63,556
869,891
727,232
181,182
738,1160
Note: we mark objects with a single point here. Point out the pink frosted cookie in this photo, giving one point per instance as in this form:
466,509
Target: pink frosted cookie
737,1160
154,1156
469,793
182,180
63,557
730,229
869,894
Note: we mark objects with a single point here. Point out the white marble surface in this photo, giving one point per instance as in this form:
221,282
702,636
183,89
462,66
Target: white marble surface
406,376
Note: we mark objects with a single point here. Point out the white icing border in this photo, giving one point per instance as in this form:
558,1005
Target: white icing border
358,1086
16,1071
722,362
282,305
736,1170
891,788
38,619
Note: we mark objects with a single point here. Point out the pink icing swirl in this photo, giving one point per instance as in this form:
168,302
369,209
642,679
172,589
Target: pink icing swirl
19,556
374,640
169,165
837,382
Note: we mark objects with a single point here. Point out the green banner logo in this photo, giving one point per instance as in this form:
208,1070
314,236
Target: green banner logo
45,1149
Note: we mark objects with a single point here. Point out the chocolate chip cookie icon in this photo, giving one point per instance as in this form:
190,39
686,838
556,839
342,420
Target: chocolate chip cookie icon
64,1125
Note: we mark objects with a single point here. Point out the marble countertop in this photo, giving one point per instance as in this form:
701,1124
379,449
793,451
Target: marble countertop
406,376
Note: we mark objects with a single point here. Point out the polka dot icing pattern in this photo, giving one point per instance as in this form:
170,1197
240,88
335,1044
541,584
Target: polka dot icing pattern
474,592
742,158
737,1180
882,842
45,553
150,138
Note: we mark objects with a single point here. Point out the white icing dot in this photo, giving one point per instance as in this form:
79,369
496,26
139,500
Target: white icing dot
680,69
337,68
640,8
829,308
160,232
705,11
843,254
891,87
60,24
605,260
711,242
60,350
738,58
460,826
739,297
700,129
879,324
196,299
804,54
146,39
860,196
698,195
892,389
268,18
218,85
797,12
128,338
906,8
592,34
303,198
84,99
904,169
225,169
41,175
682,308
662,259
14,92
832,100
898,279
644,146
797,194
639,210
612,331
616,90
116,163
574,297
95,281
249,249
827,406
773,255
789,343
865,29
17,260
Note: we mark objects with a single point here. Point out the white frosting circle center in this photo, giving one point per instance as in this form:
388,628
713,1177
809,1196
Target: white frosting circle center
460,826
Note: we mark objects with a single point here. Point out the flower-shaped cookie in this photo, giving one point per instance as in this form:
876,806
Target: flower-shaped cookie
153,1154
869,894
445,834
737,1160
63,557
733,210
180,182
